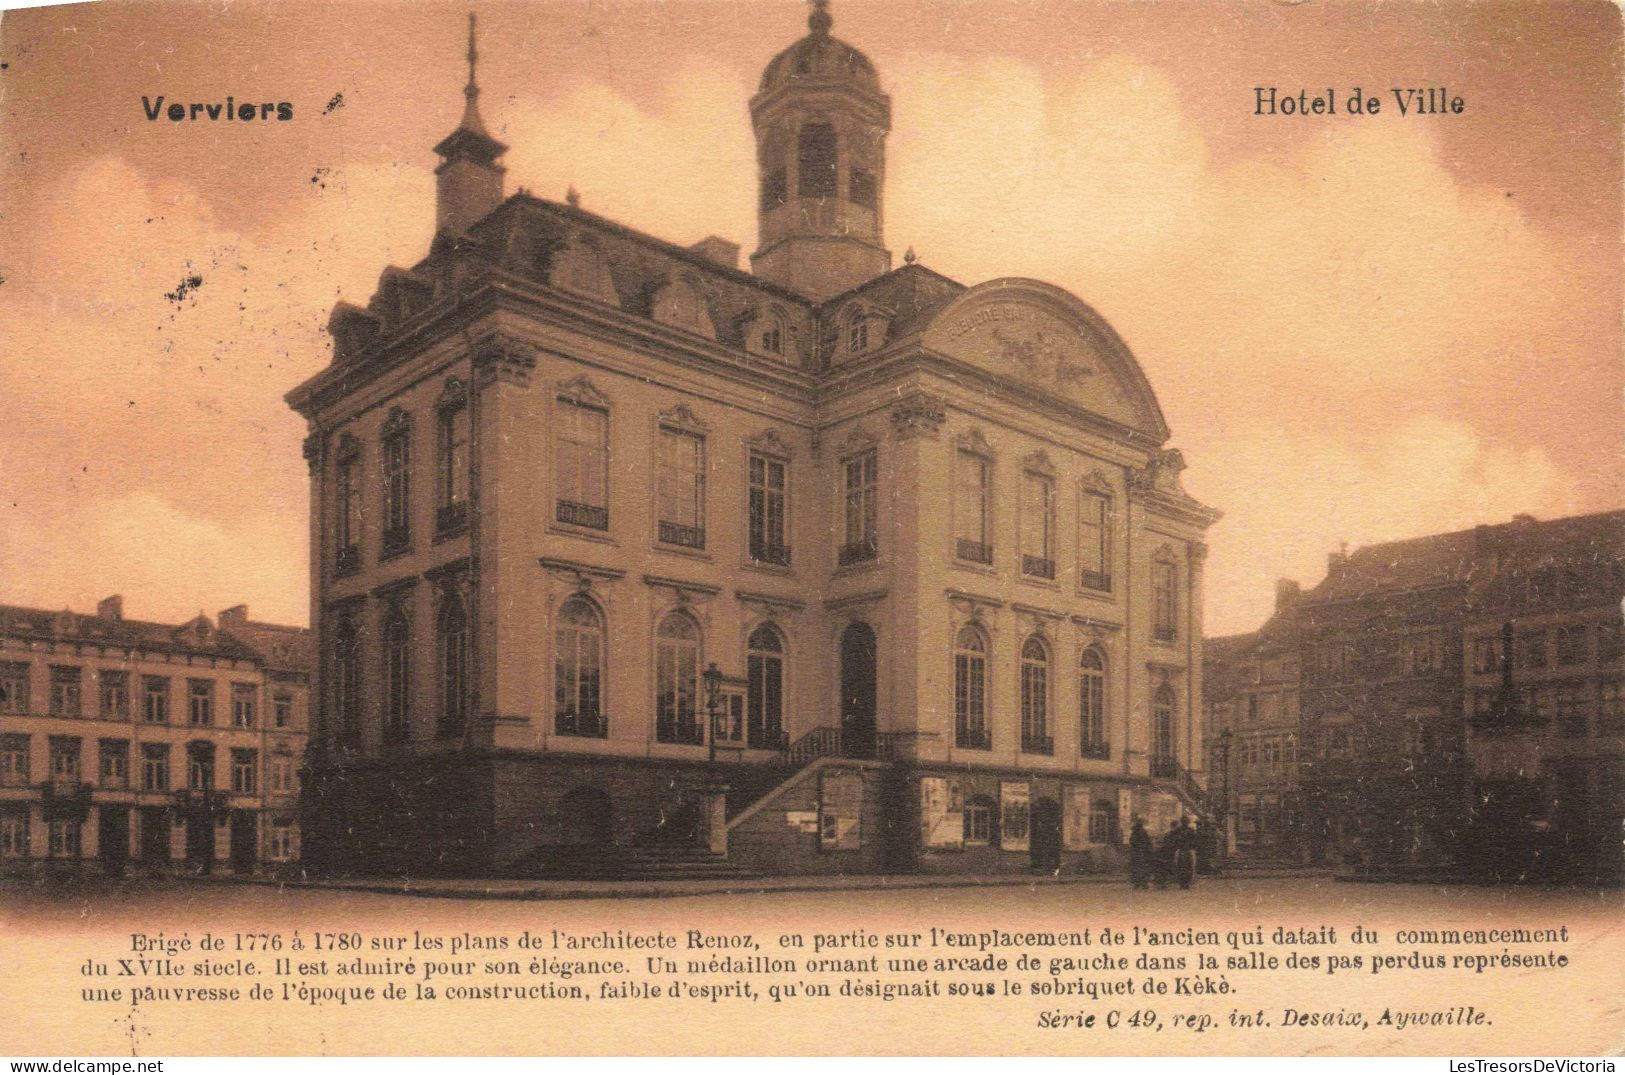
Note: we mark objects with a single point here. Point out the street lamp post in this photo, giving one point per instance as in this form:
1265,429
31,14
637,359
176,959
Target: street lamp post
1224,783
713,707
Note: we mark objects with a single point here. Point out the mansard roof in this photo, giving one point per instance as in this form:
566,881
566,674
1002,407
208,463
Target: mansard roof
197,636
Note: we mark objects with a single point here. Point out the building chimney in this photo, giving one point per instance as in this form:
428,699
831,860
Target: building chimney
1335,560
718,250
235,616
1287,592
110,608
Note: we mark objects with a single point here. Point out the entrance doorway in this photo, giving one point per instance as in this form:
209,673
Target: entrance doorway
858,691
114,838
1045,847
154,835
200,839
244,841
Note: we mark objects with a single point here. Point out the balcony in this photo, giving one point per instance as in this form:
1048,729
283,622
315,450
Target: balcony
974,551
348,560
1099,750
1095,580
1038,567
572,513
1037,744
582,725
973,739
688,537
858,552
766,552
451,518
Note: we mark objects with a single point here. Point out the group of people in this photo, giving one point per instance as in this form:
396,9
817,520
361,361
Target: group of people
1184,851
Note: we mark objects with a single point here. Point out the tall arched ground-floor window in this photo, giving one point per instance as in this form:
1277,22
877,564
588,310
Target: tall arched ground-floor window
677,680
578,670
764,673
1163,709
970,691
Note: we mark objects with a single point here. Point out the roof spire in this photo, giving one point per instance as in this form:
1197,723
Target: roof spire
471,113
820,20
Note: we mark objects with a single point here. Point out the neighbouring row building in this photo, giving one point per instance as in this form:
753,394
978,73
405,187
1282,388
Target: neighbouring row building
130,744
1450,701
826,565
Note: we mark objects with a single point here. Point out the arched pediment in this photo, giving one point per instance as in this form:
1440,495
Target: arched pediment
1043,338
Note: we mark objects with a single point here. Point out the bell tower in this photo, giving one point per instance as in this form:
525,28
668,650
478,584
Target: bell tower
820,121
468,182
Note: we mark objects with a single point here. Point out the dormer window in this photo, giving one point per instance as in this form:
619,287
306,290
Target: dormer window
857,333
773,338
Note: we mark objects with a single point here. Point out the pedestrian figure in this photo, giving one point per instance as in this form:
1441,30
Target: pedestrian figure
1140,852
1165,855
1183,838
1207,846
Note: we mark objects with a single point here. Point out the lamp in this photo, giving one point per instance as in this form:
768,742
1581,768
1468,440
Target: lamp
713,702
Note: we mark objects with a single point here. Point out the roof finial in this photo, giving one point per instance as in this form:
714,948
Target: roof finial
910,257
471,114
820,21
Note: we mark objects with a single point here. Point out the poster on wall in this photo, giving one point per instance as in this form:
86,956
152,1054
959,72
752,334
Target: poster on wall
1013,816
840,807
1075,818
942,812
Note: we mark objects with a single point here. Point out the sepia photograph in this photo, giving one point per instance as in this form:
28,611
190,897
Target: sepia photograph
911,527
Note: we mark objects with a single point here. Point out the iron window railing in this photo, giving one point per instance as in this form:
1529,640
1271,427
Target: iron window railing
348,560
1038,566
574,513
977,552
1164,633
1037,744
1097,748
585,725
450,518
764,552
1095,580
973,739
689,537
858,551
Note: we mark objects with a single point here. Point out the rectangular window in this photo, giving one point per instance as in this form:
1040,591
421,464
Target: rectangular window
1571,702
115,762
243,704
14,770
115,695
244,767
680,489
281,774
978,822
1037,525
282,711
154,766
155,699
13,833
861,478
1531,649
769,510
200,702
1610,643
1424,655
64,838
281,840
1486,655
13,687
397,492
65,683
200,766
1610,708
1573,644
65,759
581,466
452,468
1095,542
1164,601
348,544
973,508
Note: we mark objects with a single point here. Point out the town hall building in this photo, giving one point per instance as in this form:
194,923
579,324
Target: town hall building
622,553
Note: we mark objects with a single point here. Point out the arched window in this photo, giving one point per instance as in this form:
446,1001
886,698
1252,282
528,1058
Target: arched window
397,461
1092,704
815,152
677,680
764,700
397,676
453,647
578,670
1035,737
347,681
970,690
773,334
1162,731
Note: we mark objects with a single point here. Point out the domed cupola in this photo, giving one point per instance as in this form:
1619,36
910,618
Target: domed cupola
821,122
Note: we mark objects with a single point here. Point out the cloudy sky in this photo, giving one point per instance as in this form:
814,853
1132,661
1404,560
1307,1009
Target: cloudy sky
1360,329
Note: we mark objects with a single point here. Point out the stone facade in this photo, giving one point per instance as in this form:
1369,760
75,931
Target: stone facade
132,744
561,468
